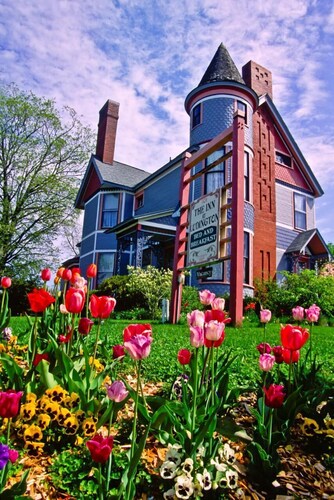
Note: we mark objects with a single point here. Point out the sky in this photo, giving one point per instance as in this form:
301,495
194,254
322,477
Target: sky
149,54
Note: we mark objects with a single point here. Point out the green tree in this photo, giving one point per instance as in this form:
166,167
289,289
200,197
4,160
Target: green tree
153,284
42,155
331,248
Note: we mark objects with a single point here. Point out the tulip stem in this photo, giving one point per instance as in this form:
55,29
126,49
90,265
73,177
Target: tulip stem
87,296
270,430
3,299
100,483
263,397
290,369
34,341
194,408
96,341
110,456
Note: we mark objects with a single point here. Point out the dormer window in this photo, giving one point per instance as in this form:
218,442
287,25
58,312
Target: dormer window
139,201
196,116
283,159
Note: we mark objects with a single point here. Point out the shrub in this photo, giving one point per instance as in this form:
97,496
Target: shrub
17,295
116,286
303,289
153,284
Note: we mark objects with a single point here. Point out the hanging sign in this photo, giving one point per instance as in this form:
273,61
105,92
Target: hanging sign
203,236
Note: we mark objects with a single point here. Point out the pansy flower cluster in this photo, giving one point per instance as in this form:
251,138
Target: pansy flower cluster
191,478
47,420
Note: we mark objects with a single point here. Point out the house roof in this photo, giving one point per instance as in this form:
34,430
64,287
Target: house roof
221,68
312,180
122,175
117,174
311,239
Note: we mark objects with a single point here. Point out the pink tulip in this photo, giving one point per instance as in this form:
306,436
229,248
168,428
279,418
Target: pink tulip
117,391
196,336
312,313
6,282
298,313
266,362
46,274
218,303
118,351
139,346
13,455
206,297
214,330
265,315
196,318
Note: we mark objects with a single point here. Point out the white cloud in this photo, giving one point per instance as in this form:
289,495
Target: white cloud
149,55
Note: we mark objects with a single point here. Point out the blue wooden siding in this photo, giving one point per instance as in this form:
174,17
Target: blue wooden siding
163,194
106,241
89,224
128,205
87,245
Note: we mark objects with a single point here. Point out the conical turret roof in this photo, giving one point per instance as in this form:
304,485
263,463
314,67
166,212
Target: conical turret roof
221,68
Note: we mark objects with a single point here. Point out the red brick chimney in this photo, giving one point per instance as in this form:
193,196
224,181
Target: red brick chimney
258,78
106,135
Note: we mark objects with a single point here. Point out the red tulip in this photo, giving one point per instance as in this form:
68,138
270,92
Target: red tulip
264,348
6,282
136,329
38,358
293,337
74,300
66,274
85,326
10,403
46,274
118,351
289,356
101,307
13,455
278,353
60,272
184,356
91,271
100,448
39,300
76,273
274,396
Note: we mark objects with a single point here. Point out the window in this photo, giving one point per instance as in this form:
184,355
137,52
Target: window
246,177
109,211
139,201
300,211
246,257
283,159
215,178
105,267
242,106
196,117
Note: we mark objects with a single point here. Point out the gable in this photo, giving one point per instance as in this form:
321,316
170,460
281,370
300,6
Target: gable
299,174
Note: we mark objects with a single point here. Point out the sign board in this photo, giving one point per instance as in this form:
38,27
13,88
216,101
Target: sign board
203,236
206,272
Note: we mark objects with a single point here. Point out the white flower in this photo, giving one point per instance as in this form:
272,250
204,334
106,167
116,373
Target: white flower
221,467
188,465
228,454
168,470
173,455
232,479
170,494
184,487
206,480
201,451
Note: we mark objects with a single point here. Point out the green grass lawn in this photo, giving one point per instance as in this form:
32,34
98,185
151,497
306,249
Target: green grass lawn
162,364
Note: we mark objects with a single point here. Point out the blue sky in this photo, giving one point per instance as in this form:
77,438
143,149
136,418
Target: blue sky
148,54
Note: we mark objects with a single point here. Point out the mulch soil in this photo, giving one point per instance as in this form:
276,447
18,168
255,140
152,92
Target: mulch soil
303,473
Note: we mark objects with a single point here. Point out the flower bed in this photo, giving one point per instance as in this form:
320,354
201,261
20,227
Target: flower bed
66,395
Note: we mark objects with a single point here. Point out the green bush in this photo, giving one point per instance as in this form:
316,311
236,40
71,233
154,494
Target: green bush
302,289
117,286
